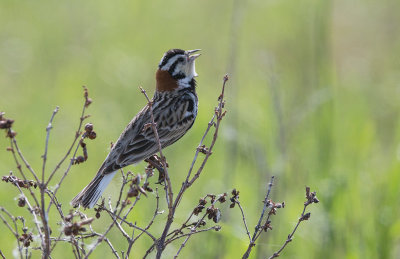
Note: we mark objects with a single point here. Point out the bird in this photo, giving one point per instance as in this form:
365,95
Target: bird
174,106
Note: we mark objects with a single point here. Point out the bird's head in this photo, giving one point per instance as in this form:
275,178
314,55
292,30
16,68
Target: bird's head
176,65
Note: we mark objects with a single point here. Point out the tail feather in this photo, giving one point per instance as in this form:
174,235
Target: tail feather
89,196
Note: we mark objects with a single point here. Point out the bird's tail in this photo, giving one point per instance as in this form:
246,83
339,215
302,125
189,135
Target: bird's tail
89,196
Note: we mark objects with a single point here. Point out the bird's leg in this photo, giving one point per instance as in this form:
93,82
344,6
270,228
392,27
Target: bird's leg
156,162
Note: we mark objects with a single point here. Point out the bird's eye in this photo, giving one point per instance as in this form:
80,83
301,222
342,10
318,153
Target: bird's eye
180,59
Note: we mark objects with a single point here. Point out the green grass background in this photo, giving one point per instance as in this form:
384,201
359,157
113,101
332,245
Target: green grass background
313,99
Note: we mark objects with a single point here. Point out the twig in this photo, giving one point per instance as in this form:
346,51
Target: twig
15,232
42,186
193,230
48,129
77,134
216,227
243,218
103,236
21,172
112,214
32,211
311,198
156,212
258,228
14,140
135,202
111,247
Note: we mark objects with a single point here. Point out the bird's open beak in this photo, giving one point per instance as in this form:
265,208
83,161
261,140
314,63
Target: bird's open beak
193,57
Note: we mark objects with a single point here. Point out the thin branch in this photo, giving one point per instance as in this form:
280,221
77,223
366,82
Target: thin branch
77,134
111,247
112,214
266,204
32,211
48,128
243,218
42,186
14,140
311,198
134,203
258,228
216,227
22,173
64,175
193,229
156,212
117,223
14,232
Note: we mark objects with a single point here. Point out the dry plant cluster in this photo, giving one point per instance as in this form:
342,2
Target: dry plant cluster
35,236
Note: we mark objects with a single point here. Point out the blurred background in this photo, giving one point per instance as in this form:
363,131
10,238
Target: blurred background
313,99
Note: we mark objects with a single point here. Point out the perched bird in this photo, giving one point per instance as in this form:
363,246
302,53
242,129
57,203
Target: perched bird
174,107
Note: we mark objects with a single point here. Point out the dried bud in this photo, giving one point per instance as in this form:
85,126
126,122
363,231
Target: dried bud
272,211
92,135
217,215
235,194
6,123
88,102
267,226
79,159
126,202
89,127
203,149
26,239
202,223
11,133
75,230
133,192
21,202
69,217
147,187
202,202
136,180
305,216
198,210
212,196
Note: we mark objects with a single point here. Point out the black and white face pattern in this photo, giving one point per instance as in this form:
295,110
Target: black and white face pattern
179,63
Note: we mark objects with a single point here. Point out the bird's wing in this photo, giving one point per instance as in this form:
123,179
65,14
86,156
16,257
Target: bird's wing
171,125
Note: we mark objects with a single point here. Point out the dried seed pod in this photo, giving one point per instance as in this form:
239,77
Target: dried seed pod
21,202
92,135
202,201
11,133
6,123
133,192
89,127
217,215
79,159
